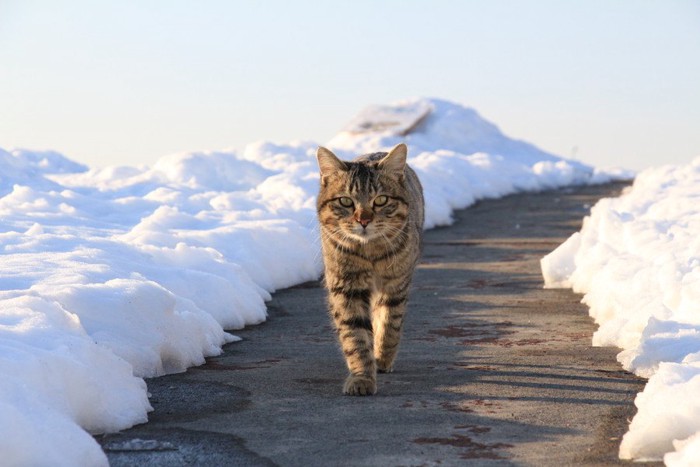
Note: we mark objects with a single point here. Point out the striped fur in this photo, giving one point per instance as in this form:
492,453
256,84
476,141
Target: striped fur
371,218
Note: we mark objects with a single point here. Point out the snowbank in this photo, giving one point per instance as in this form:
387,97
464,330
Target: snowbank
637,260
111,275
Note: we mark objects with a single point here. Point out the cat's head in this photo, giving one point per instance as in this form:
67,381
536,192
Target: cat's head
365,199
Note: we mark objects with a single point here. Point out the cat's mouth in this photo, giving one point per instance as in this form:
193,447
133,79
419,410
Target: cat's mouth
364,235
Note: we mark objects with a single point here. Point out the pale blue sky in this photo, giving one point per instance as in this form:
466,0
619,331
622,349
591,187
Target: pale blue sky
125,82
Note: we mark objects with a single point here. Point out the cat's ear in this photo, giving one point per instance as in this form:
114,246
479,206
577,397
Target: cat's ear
328,162
395,161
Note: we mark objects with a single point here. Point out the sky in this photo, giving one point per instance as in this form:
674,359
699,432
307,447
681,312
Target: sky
609,83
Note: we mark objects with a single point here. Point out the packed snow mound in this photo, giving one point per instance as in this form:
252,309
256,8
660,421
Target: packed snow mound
637,260
28,168
434,124
111,275
212,170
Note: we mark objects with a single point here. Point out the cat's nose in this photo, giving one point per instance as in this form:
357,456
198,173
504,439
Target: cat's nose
363,219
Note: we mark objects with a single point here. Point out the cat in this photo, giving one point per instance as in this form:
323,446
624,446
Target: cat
371,214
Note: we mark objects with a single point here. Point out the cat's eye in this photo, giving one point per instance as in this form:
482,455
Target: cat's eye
380,200
345,201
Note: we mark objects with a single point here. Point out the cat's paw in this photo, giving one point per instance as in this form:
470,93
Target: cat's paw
385,365
360,386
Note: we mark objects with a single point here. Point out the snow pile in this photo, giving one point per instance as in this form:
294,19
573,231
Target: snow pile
461,158
637,260
111,275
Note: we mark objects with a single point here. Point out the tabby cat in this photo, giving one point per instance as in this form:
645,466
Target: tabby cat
371,217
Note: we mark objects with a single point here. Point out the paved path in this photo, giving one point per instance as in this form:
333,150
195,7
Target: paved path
493,369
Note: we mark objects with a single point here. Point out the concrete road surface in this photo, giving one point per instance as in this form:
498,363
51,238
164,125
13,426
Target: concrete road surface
493,369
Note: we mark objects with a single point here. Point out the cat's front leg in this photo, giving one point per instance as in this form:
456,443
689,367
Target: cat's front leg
389,308
350,309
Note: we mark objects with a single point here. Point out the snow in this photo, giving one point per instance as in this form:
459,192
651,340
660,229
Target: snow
111,275
398,120
637,260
